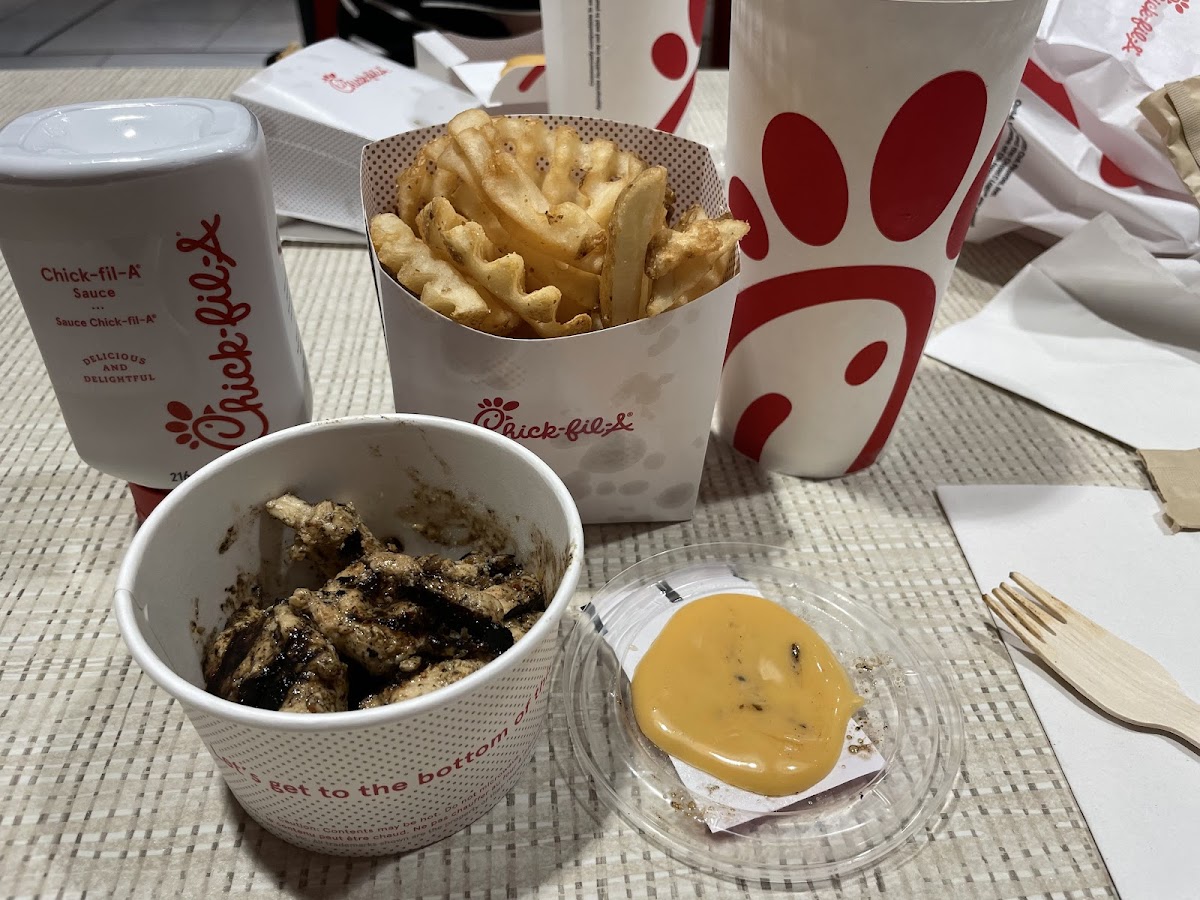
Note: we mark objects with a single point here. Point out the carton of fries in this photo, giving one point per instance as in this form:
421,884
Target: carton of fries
610,374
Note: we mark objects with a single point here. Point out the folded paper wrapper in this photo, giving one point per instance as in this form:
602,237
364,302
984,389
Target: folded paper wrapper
1100,331
1106,552
1077,145
621,414
1097,330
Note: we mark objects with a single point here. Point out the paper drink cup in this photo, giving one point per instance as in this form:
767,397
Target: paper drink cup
628,60
374,781
622,414
860,134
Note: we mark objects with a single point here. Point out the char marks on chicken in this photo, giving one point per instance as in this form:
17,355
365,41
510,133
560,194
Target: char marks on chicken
275,659
385,624
329,535
519,625
405,625
429,679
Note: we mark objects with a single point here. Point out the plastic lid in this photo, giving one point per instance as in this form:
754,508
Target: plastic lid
109,140
145,499
910,715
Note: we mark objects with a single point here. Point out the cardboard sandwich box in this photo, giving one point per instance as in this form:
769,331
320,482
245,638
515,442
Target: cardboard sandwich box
621,414
319,106
497,72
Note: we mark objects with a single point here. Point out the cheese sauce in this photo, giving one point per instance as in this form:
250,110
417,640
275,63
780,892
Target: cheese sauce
738,687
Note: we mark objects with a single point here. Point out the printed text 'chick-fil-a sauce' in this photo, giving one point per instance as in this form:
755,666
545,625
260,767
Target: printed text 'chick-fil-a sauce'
740,688
141,238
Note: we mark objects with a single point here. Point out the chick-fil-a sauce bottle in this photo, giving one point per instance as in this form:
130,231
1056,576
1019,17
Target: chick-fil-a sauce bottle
141,237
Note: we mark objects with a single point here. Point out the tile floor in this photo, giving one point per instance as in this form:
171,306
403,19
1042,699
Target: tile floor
98,33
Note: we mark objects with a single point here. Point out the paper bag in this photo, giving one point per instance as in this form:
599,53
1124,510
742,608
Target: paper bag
1076,144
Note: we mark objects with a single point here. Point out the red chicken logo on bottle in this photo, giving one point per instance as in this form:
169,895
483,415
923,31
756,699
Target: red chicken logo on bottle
238,417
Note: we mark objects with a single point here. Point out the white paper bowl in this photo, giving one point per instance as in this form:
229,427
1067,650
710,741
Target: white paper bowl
374,781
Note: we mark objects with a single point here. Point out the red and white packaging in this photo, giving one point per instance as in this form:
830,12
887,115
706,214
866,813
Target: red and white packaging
141,237
622,414
627,60
374,781
859,138
319,106
477,66
1077,146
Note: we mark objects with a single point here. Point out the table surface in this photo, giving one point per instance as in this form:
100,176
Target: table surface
105,789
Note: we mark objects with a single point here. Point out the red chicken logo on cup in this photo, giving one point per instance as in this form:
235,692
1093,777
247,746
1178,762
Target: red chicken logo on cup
671,57
841,396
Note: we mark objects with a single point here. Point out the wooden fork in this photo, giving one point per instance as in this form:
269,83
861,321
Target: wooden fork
1117,677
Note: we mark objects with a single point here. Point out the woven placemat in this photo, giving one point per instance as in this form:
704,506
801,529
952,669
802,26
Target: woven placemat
107,791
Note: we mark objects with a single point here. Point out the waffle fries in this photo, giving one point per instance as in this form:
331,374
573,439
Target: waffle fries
511,227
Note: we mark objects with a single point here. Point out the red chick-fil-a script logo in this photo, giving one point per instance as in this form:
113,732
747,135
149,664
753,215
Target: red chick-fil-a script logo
350,85
1143,23
495,414
238,418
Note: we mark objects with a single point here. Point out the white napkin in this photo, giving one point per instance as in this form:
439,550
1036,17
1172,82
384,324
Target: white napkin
1105,551
1098,330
